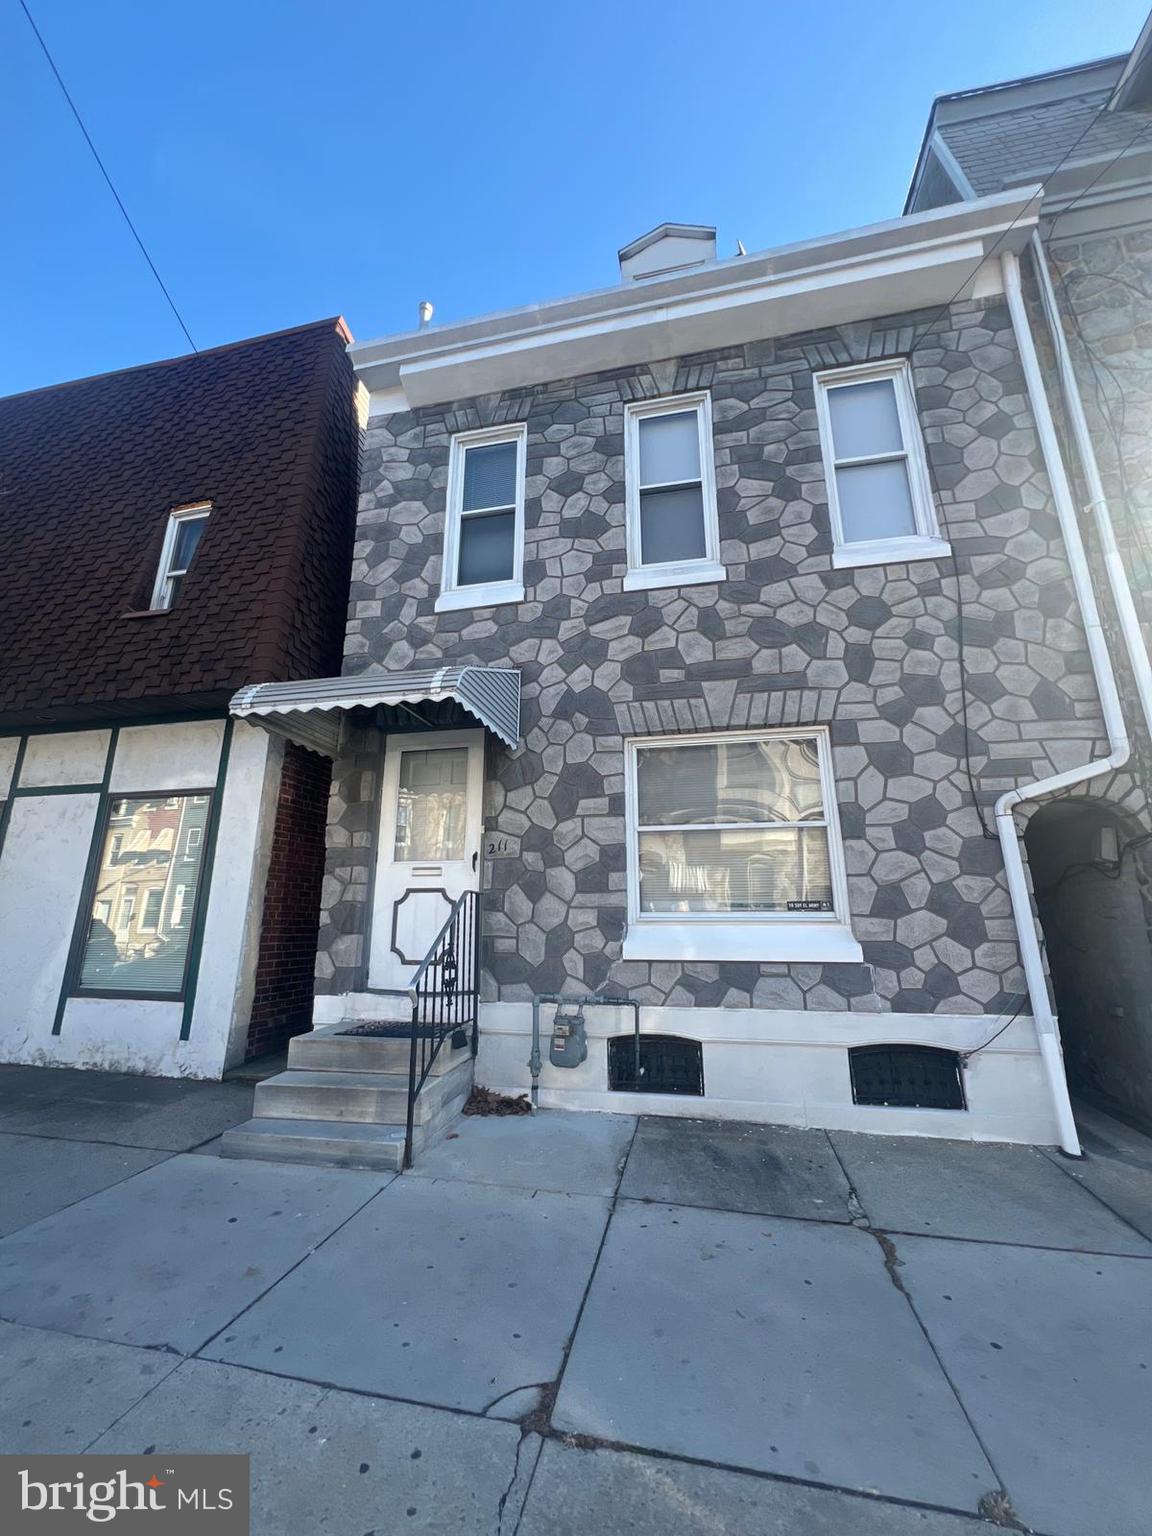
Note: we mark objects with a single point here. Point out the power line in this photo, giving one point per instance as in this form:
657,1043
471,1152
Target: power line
104,172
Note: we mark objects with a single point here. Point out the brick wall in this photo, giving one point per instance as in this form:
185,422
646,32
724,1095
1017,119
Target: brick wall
282,1002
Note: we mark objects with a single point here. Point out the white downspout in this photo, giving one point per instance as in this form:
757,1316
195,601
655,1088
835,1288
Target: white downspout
1046,1028
1134,642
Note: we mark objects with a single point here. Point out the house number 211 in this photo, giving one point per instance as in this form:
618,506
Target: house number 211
498,845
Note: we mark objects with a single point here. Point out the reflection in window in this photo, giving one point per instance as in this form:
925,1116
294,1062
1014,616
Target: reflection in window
141,920
732,827
431,804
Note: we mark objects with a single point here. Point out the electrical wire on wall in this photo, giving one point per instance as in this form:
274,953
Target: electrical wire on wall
964,1057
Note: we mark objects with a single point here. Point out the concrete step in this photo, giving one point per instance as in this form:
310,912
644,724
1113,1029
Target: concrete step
326,1050
327,1143
368,1098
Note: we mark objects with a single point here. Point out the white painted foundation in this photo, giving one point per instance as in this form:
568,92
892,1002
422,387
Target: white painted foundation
42,866
786,1068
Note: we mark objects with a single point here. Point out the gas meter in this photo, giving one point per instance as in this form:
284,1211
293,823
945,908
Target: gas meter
569,1046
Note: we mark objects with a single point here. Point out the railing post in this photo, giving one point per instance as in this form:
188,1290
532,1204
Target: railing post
474,907
437,1008
411,1119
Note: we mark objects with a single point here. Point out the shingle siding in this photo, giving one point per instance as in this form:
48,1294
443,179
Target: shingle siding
89,471
995,150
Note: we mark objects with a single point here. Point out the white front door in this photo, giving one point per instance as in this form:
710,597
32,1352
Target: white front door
430,826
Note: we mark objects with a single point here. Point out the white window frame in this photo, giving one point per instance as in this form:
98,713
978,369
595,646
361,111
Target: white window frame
165,574
926,543
790,936
189,845
490,593
671,573
144,925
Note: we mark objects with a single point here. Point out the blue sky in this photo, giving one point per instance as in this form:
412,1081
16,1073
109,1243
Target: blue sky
289,159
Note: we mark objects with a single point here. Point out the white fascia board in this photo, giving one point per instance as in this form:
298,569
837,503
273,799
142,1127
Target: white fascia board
886,268
886,286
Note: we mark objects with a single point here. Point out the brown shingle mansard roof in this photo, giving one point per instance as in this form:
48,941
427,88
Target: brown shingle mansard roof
263,429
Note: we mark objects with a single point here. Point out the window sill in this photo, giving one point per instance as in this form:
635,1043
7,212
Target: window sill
146,613
889,552
486,595
689,574
790,941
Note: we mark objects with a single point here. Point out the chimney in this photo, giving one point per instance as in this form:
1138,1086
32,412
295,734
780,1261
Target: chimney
666,249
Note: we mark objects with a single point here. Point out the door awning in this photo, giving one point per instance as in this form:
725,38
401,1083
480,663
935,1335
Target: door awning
311,713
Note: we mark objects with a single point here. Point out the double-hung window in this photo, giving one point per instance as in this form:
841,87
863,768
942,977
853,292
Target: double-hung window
879,493
734,850
670,488
181,540
484,532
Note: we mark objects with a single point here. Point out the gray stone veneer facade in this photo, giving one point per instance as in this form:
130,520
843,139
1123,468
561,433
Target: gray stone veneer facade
873,653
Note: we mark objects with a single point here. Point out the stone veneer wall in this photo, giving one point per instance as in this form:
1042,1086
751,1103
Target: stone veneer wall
786,639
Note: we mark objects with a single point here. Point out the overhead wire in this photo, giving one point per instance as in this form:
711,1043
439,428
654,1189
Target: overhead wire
107,177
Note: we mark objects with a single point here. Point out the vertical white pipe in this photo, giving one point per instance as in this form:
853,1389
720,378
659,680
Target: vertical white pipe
1047,1031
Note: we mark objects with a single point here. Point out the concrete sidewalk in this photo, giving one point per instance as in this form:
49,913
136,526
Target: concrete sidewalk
583,1322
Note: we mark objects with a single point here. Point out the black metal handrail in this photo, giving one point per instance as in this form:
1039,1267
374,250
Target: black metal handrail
444,994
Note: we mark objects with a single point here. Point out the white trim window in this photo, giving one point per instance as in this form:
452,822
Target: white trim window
181,541
484,529
673,532
734,849
879,492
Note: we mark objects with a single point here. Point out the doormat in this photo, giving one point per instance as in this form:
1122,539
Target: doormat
387,1029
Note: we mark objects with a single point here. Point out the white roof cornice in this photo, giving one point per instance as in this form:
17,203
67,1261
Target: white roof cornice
900,265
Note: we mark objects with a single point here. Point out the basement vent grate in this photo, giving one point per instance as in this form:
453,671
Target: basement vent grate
911,1076
668,1064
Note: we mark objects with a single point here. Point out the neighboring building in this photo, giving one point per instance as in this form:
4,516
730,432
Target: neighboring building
167,531
770,547
1087,134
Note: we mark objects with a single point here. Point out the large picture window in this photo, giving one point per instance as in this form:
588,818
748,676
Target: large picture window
731,840
144,897
484,535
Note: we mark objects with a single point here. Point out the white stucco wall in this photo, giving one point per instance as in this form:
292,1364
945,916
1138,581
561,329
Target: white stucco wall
785,1068
41,871
42,866
9,747
64,757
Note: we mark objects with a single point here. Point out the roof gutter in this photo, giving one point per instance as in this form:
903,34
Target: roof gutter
889,268
1047,1029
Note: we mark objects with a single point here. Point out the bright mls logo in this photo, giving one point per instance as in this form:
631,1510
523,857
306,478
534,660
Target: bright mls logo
60,1495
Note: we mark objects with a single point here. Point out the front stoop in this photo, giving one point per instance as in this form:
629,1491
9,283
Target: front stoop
342,1103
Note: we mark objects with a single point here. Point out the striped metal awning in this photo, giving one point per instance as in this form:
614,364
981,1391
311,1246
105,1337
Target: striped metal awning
311,713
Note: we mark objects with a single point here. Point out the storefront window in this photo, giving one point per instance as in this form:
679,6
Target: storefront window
145,896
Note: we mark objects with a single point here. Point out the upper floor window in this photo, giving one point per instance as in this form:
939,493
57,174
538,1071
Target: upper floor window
733,849
879,493
181,540
670,485
484,532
